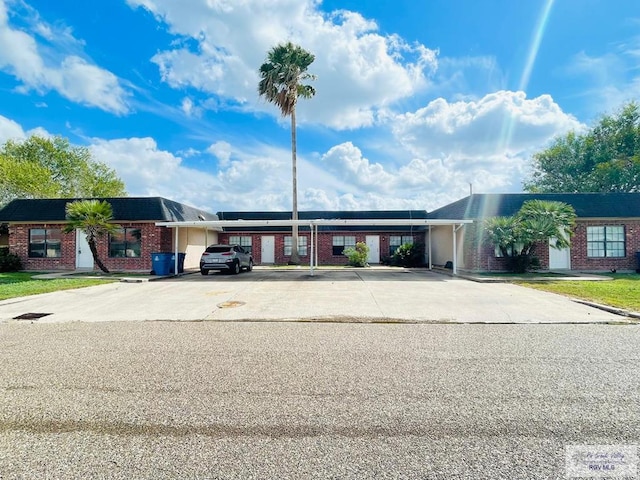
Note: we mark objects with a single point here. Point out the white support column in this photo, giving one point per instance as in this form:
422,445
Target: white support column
175,253
455,249
312,240
430,262
316,260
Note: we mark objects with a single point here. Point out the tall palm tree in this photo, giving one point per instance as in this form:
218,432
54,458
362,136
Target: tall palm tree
281,76
94,218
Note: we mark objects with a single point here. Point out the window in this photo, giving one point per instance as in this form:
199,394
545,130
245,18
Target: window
45,242
396,241
340,242
243,240
605,241
302,246
125,243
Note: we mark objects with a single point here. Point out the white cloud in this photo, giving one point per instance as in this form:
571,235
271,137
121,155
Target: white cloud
43,69
487,142
347,161
222,151
440,150
189,108
503,123
10,130
359,69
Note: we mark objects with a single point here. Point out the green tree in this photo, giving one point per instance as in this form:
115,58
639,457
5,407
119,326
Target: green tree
537,221
280,83
94,218
52,168
604,159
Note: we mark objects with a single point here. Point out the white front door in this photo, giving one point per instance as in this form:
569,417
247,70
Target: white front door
267,250
559,259
84,258
373,242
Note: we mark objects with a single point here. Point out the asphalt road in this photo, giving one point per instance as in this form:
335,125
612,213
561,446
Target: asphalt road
242,400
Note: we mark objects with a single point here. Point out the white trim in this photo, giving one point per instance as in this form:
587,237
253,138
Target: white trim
313,224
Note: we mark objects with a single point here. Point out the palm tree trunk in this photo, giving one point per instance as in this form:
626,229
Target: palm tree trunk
295,259
94,252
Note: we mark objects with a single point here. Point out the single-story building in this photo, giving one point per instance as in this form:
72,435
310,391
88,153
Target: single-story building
35,234
272,244
606,236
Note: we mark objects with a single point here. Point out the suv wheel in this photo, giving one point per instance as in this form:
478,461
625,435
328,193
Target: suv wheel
204,271
250,266
235,269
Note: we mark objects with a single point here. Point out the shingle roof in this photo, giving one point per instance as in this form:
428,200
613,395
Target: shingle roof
586,205
124,209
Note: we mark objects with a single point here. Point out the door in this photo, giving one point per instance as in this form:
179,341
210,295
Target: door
559,259
267,250
84,258
373,242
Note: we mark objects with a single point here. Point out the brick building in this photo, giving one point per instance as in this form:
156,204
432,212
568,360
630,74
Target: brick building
272,245
35,234
606,236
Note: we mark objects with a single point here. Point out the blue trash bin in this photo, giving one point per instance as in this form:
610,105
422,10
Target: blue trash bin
172,263
161,263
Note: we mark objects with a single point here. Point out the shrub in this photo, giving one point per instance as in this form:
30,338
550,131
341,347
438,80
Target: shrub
523,263
409,255
9,262
357,255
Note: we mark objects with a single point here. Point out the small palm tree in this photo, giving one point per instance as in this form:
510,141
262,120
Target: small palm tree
281,76
94,218
537,221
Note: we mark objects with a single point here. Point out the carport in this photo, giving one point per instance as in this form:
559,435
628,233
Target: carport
313,227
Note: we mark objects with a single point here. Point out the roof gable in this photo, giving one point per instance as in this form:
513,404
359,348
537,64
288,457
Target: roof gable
124,209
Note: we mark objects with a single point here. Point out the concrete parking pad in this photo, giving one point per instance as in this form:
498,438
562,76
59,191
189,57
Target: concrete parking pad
330,295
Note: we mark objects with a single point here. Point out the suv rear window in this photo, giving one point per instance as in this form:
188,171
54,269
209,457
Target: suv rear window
219,248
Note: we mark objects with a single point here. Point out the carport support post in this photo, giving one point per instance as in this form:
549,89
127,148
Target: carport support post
316,259
175,254
312,250
430,264
455,249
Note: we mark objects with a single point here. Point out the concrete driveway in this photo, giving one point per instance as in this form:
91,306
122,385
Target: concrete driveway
330,295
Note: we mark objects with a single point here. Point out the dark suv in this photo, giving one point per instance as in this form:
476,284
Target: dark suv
232,258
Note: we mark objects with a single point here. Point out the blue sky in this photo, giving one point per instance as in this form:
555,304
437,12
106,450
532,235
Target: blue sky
416,99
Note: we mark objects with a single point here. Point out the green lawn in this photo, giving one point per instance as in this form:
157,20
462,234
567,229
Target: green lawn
622,292
21,284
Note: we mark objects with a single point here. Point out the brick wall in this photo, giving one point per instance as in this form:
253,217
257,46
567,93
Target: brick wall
580,260
480,257
324,242
154,239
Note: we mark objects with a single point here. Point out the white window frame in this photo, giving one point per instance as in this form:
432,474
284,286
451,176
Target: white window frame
245,241
343,241
302,245
610,237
